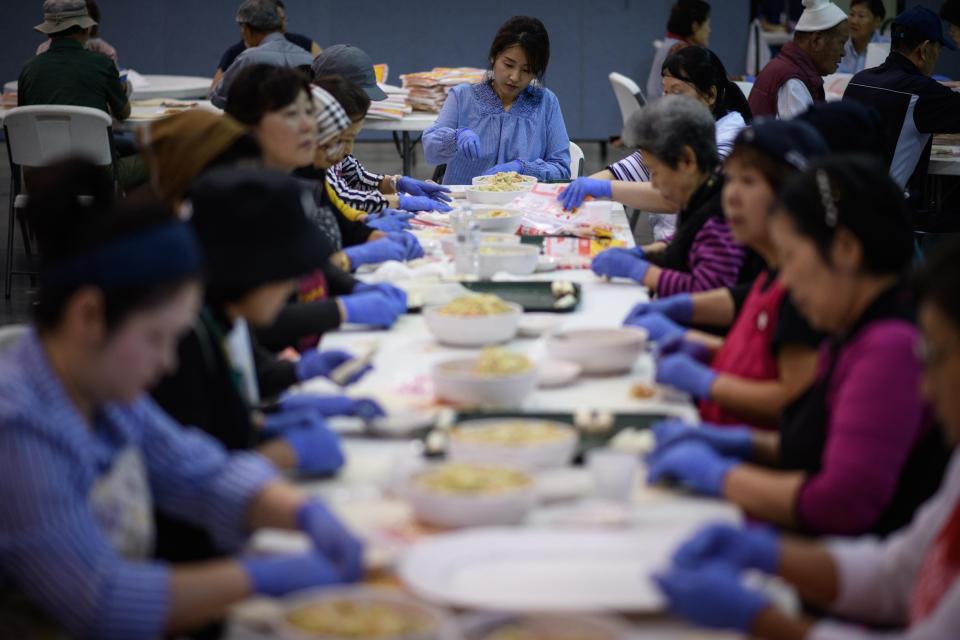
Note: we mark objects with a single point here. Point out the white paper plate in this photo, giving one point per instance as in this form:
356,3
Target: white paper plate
529,570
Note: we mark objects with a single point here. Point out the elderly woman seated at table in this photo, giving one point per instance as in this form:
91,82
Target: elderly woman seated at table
507,122
678,138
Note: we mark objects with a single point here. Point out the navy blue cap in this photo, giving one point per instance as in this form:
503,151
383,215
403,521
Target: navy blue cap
790,141
847,126
925,24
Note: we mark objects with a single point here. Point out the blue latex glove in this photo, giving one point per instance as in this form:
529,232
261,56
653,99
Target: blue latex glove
685,373
279,575
755,547
693,464
506,167
331,538
314,363
657,325
615,263
409,242
396,296
468,143
678,344
421,188
729,441
389,220
371,307
375,252
317,447
578,190
422,203
283,421
332,405
711,597
678,308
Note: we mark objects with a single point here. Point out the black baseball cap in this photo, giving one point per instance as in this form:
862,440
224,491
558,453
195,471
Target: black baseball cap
793,142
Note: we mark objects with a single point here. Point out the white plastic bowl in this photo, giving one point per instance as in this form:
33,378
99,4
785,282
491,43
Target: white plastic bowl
441,626
470,510
454,381
541,455
599,351
473,331
520,260
478,196
486,239
505,224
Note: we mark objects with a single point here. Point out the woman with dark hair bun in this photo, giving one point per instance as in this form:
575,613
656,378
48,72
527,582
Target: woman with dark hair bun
508,122
689,24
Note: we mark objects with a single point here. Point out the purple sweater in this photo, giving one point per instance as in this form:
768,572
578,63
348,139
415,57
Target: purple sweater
715,260
876,417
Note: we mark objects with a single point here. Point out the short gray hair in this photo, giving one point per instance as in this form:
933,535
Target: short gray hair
259,15
667,125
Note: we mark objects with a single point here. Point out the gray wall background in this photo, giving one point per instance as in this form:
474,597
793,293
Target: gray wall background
588,39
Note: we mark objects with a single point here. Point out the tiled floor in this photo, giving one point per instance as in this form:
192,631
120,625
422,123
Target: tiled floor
378,156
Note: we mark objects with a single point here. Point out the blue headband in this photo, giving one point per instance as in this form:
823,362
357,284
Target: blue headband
163,253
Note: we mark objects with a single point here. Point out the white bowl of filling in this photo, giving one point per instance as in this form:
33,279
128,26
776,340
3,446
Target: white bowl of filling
360,613
473,320
497,219
520,442
459,494
498,378
507,179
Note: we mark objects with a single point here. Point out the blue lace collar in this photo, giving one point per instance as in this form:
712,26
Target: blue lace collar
525,106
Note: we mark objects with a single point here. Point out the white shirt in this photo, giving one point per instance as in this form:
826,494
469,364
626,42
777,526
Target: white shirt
793,98
877,577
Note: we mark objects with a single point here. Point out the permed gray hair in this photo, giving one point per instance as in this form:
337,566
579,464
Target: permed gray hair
667,125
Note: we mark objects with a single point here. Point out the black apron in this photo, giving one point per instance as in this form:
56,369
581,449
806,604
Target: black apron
803,425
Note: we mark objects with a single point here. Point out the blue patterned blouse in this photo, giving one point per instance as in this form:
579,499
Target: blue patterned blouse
532,131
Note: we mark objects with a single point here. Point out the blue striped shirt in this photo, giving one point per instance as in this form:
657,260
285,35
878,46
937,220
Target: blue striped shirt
52,548
532,131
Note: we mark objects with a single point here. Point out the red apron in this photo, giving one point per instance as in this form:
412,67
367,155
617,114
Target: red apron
746,351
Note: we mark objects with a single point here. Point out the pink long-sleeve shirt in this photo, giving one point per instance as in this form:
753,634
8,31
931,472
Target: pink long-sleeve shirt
876,415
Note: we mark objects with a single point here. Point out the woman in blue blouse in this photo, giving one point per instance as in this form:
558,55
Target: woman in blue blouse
87,455
505,123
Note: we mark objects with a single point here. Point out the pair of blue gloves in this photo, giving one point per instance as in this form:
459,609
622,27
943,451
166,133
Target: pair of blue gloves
301,422
703,585
315,363
681,363
698,457
468,145
389,220
398,245
377,305
337,557
621,263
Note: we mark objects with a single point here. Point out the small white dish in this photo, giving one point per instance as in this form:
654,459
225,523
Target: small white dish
533,325
546,264
552,374
403,424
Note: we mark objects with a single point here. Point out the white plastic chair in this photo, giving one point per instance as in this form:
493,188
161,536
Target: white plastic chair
40,135
629,96
576,161
10,334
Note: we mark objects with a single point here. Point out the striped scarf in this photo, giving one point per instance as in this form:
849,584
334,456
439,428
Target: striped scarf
331,118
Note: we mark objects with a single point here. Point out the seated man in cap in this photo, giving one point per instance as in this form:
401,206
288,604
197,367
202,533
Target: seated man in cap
793,80
249,39
95,43
261,24
912,105
69,74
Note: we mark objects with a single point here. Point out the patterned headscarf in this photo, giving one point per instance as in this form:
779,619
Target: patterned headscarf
331,118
